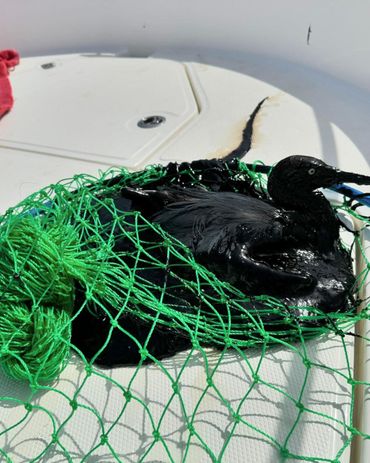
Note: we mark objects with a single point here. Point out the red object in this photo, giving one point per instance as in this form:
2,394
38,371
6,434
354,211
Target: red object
8,60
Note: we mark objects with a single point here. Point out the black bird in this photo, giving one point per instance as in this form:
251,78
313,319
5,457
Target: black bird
285,244
239,236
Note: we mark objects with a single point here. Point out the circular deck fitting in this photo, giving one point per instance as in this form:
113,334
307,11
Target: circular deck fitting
150,122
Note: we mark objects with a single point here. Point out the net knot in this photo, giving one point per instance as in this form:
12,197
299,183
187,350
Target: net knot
143,353
307,363
300,406
256,377
284,452
28,407
167,242
353,431
103,439
191,429
339,332
210,381
195,344
73,404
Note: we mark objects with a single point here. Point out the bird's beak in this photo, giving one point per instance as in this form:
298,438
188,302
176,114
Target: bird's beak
349,177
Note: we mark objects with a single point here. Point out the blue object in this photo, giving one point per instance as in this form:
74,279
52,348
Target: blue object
353,193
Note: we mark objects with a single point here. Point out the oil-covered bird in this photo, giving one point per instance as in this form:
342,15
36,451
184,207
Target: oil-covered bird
284,244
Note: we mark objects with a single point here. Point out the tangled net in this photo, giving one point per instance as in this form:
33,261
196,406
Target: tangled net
57,260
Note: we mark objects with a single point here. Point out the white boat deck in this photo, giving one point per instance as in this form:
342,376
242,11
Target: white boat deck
80,115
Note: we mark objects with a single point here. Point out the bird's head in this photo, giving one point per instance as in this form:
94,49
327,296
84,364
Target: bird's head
295,177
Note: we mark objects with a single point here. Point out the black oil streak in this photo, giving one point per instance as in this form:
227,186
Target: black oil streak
309,34
246,142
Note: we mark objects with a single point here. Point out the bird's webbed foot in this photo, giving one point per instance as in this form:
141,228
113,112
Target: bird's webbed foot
270,272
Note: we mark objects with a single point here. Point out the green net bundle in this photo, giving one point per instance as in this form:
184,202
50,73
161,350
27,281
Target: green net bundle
58,260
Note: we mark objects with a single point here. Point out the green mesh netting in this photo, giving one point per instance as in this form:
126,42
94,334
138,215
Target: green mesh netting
57,260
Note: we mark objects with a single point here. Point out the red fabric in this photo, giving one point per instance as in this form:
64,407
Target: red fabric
8,59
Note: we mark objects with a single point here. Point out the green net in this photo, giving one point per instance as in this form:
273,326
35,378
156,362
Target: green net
59,260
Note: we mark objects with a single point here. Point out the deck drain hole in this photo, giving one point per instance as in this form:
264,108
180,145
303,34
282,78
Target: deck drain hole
150,122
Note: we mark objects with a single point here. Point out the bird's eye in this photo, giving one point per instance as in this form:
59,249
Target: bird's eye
311,171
